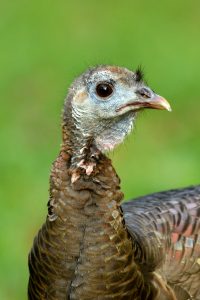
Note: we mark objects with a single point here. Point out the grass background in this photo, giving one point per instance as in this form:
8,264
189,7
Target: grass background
44,45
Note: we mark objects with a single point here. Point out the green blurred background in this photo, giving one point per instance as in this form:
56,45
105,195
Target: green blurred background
44,45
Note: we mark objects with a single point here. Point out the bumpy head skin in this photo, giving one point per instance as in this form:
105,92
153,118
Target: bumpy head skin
101,107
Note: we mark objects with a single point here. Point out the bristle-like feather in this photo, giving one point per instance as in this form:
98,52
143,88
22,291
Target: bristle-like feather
139,74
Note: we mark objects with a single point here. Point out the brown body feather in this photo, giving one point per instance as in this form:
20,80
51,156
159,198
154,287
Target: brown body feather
84,251
89,249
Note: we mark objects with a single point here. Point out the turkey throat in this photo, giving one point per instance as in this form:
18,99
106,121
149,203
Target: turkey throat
86,140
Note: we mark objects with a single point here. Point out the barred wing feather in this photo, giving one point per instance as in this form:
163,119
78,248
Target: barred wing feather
166,228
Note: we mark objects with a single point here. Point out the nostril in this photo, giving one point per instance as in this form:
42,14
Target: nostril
145,93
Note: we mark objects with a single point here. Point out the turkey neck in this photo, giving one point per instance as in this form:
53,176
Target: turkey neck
88,219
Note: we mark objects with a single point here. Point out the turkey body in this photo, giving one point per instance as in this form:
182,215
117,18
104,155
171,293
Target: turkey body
91,246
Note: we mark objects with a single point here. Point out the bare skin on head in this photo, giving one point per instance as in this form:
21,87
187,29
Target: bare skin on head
101,109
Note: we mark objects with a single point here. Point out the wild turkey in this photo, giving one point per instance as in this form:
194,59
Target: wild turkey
91,247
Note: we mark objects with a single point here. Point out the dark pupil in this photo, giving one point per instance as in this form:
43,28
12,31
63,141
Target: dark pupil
104,90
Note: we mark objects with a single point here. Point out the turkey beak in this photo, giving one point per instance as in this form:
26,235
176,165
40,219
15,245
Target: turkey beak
156,102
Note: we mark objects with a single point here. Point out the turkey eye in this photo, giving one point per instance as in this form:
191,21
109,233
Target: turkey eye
104,89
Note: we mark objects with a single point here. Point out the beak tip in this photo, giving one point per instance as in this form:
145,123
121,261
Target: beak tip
168,108
162,103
